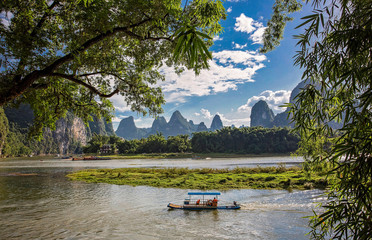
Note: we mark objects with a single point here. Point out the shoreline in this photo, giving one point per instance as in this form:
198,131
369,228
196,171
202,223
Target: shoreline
157,156
192,155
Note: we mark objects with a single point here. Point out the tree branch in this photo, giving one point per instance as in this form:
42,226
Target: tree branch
85,46
22,84
90,74
33,35
43,19
39,86
90,87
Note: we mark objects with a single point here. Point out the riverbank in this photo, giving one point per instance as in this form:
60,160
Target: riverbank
158,156
192,155
206,179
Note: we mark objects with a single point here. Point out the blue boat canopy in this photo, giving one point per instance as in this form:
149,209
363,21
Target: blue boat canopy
204,193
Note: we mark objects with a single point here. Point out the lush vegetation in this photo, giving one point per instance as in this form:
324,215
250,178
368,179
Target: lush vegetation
221,179
335,53
256,140
153,144
4,128
97,141
61,56
18,143
252,140
157,144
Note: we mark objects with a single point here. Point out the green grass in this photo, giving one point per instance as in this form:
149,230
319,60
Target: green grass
206,178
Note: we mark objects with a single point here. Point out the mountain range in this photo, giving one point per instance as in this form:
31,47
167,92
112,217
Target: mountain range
177,125
261,115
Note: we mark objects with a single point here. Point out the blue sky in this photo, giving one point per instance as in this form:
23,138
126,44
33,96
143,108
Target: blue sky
239,75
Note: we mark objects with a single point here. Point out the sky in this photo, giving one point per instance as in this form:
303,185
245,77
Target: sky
239,76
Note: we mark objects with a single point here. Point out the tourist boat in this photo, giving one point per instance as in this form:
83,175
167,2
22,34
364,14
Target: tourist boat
202,201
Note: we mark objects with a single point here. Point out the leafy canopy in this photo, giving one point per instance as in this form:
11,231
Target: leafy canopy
335,53
75,55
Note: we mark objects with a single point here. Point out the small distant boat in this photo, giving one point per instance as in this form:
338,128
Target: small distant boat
90,158
195,157
203,201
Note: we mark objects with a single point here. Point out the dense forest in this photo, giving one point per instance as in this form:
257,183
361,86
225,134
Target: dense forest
246,140
156,143
227,140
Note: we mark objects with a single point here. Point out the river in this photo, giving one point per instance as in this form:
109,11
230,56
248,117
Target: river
38,202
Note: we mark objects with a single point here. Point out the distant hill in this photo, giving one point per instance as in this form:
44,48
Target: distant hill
282,119
69,136
101,127
202,127
128,130
262,115
216,123
177,125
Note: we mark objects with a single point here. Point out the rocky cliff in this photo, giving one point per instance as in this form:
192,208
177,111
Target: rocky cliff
100,126
159,124
202,127
69,131
68,137
127,129
262,115
216,123
178,125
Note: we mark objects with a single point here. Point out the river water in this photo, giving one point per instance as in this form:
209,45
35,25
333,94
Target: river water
38,202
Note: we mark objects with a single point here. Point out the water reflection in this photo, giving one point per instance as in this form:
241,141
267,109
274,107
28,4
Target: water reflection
48,206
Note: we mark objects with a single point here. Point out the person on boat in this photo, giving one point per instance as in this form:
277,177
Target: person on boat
197,202
235,203
214,202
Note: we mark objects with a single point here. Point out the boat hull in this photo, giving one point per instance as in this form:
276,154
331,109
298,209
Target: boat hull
202,207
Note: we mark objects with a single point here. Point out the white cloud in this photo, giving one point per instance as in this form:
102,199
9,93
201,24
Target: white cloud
119,103
238,46
273,99
235,120
223,75
206,114
246,24
250,26
217,38
229,10
247,58
257,36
